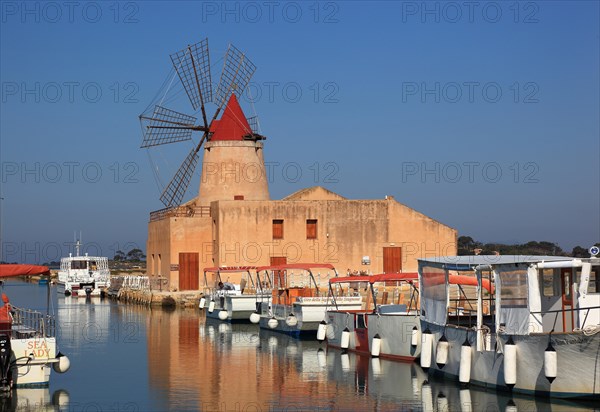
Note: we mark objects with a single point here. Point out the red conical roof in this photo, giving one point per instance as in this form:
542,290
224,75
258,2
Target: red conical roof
233,124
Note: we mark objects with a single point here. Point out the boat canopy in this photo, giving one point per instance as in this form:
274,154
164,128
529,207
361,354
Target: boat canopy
515,289
304,266
230,269
10,270
384,277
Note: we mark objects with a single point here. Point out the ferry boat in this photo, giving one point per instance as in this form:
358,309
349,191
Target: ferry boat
534,330
387,325
28,349
83,276
299,300
231,293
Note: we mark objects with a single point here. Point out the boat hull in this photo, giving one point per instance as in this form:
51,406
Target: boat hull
578,359
395,332
33,372
238,307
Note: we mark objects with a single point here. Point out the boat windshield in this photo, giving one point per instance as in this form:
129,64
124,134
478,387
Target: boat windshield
79,264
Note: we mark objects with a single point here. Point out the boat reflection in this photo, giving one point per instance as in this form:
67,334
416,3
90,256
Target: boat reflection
34,399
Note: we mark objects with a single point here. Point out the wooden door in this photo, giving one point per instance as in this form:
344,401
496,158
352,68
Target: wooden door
392,259
189,271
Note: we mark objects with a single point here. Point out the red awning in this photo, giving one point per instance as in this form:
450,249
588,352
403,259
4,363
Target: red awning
22,270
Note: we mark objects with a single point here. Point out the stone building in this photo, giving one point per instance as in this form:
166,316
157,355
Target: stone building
234,222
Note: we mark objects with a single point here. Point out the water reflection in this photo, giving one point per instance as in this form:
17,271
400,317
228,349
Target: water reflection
132,358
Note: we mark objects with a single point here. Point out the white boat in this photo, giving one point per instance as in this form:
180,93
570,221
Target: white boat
387,321
28,350
231,293
530,324
83,276
299,298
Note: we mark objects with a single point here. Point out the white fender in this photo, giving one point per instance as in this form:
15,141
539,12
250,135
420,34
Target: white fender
272,323
375,345
464,373
202,303
415,336
254,317
291,320
223,315
550,363
321,331
345,340
510,363
211,306
62,365
426,348
441,352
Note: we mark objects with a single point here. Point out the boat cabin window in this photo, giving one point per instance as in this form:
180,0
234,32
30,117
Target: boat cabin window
550,282
93,265
513,293
79,264
594,285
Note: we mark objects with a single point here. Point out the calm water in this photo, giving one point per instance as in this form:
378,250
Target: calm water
130,358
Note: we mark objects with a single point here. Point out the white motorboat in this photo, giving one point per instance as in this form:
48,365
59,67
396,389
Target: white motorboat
83,276
529,324
28,349
299,300
388,322
231,293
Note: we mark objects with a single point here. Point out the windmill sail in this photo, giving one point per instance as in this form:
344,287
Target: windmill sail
193,68
167,126
236,74
175,190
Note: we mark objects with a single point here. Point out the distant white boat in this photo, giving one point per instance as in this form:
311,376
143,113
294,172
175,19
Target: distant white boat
83,276
529,324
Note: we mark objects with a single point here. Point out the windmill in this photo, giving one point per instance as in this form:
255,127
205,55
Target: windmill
165,126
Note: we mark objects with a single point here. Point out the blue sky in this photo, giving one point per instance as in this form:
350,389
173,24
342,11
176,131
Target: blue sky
483,116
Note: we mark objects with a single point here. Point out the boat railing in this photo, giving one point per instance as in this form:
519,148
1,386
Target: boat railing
557,312
27,322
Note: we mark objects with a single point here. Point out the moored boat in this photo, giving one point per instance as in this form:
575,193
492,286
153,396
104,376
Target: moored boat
83,276
387,321
28,349
299,298
529,324
231,293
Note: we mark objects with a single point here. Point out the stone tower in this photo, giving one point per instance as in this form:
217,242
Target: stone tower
233,167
